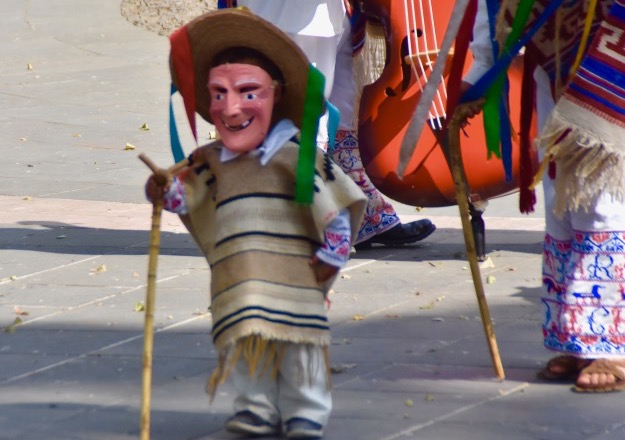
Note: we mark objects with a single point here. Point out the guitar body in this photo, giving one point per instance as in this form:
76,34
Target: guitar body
388,105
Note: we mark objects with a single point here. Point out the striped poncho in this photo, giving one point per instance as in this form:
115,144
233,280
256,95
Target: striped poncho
258,243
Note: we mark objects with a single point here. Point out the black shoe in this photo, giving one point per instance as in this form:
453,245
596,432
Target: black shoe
246,422
299,427
400,234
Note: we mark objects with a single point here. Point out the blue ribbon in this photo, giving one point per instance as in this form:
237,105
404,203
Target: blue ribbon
334,115
174,139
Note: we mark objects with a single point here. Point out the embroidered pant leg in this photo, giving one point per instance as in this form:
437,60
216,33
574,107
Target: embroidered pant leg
257,394
303,382
380,215
584,280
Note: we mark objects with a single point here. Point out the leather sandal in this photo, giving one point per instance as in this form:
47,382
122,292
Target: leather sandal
564,368
608,367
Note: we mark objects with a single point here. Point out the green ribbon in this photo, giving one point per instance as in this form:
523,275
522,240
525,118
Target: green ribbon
313,109
495,110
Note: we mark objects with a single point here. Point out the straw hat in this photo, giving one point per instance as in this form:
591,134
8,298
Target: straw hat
195,45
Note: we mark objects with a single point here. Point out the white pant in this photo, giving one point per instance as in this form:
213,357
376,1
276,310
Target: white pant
300,389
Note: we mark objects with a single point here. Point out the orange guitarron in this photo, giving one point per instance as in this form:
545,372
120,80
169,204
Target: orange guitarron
413,31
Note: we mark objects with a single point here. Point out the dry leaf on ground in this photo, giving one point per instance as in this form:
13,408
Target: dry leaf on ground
486,264
11,328
18,311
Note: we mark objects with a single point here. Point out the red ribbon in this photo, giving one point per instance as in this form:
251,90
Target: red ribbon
461,48
183,67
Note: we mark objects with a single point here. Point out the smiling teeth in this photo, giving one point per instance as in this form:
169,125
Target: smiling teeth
238,127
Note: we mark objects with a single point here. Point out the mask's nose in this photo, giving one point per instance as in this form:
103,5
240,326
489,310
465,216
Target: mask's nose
233,104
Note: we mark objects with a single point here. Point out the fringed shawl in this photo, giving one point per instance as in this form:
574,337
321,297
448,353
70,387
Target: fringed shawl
554,46
585,134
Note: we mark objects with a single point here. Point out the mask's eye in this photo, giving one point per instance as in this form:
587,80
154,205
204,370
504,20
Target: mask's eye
249,96
218,97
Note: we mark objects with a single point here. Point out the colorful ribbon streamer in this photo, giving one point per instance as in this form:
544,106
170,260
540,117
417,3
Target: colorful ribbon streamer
493,83
313,109
334,116
496,116
174,139
183,66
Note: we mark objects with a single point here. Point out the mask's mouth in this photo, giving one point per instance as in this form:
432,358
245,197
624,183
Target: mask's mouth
239,127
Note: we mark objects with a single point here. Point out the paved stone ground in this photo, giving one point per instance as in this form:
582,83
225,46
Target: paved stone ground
164,16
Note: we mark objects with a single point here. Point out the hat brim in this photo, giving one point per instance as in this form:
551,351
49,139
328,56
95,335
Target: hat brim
216,31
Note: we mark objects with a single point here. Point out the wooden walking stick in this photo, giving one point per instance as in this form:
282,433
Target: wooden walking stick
148,326
462,198
161,176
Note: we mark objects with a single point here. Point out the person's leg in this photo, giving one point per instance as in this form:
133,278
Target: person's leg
380,216
557,254
255,409
381,223
584,279
557,250
595,294
304,399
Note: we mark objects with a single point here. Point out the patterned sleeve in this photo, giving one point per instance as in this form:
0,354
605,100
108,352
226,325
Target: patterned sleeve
175,199
335,250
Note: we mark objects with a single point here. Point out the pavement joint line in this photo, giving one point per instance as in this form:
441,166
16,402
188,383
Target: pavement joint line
420,426
64,266
98,350
68,191
371,261
357,266
13,279
95,301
